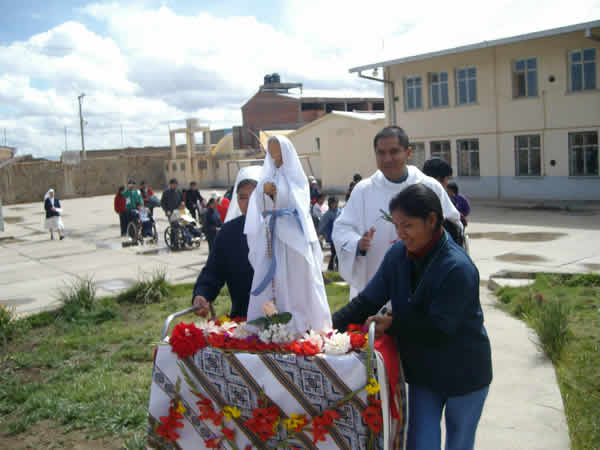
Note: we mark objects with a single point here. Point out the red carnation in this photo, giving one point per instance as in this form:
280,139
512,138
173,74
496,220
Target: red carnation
186,340
357,340
212,443
229,433
372,417
354,327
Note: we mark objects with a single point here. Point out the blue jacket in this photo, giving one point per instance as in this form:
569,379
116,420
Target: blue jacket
48,204
439,328
228,263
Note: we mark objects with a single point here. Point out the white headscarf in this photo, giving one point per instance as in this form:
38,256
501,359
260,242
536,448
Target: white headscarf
245,173
48,194
298,185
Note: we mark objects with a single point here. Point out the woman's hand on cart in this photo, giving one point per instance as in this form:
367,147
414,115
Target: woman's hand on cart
382,323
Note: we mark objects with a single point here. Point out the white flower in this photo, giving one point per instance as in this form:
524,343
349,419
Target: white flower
280,334
337,344
241,332
269,308
314,338
212,327
265,335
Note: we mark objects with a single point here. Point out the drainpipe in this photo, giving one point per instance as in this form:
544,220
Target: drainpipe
392,94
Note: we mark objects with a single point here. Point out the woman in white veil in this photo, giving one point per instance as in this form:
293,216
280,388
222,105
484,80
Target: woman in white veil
291,276
245,173
53,213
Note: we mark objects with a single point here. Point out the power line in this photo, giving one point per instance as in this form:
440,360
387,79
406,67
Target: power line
80,98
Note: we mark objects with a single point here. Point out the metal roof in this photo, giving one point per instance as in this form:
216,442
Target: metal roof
485,44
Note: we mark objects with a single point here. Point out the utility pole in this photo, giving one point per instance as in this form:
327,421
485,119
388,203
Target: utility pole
66,149
122,144
80,98
5,137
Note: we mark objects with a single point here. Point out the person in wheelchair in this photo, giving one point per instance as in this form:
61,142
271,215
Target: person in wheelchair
182,217
145,220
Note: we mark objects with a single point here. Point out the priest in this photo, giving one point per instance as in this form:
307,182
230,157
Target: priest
362,235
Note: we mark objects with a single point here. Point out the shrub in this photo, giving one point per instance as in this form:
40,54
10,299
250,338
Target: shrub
77,297
551,322
7,323
150,290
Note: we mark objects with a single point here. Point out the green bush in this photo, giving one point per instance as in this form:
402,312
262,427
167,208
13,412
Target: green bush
77,297
7,324
153,289
551,322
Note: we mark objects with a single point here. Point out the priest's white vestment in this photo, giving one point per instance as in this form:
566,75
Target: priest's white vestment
363,211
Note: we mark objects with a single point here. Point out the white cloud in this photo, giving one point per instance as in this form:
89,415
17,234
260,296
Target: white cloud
152,65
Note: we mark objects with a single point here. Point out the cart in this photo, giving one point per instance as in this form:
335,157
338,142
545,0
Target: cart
217,397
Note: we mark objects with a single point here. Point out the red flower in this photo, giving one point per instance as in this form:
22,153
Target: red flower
320,424
372,417
304,348
264,422
229,433
212,443
169,423
357,340
186,340
354,327
216,340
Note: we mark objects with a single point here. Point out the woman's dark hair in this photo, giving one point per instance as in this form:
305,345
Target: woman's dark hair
332,201
357,177
173,181
453,187
392,131
211,202
121,188
418,201
245,182
437,168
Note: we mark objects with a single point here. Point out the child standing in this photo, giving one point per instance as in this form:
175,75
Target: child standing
460,202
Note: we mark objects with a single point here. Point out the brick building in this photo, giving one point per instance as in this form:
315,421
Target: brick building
281,106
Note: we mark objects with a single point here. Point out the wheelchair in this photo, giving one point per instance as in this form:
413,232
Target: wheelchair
136,234
181,237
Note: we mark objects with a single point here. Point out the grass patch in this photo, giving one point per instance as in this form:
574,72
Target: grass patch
91,375
151,289
565,312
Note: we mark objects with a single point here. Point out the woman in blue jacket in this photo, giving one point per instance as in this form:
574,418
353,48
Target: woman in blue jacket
436,319
53,213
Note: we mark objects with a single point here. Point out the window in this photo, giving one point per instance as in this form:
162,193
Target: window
182,166
318,144
466,86
468,157
202,164
527,156
412,93
417,157
582,69
441,149
583,154
174,167
438,89
525,78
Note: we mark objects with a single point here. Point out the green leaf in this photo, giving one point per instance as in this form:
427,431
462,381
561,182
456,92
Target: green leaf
282,318
261,322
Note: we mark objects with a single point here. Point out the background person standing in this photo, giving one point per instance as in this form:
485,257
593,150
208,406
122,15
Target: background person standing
171,198
121,209
53,212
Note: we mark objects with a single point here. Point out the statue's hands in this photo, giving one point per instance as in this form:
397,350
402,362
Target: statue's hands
270,189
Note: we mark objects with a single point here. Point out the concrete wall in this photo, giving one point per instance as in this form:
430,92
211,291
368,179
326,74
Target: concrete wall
5,153
346,148
28,182
497,117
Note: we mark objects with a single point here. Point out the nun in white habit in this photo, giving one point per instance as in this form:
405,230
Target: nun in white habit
245,173
279,211
53,213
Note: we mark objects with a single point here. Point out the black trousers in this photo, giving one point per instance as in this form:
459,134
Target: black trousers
124,221
333,262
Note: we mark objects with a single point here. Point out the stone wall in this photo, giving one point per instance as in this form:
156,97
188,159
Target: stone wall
28,181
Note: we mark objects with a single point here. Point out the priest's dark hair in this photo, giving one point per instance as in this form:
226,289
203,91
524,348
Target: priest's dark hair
420,201
392,131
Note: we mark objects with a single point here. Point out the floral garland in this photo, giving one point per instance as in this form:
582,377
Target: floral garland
267,419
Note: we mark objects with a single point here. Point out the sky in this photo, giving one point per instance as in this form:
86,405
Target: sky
146,65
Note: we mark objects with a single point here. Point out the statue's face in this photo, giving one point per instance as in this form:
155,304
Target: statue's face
275,152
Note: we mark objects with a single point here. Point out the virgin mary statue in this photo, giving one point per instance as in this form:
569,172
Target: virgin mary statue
284,249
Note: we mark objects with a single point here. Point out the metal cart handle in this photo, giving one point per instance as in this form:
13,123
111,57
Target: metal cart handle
173,316
372,337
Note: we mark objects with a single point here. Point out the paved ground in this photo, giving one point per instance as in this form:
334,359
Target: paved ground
524,409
